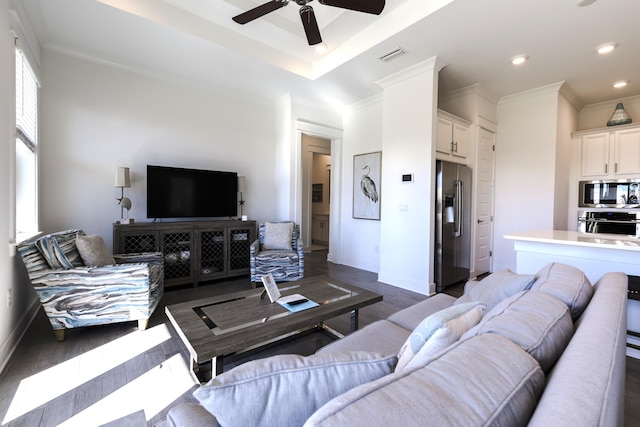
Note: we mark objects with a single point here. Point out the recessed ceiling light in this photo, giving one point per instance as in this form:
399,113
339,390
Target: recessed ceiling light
620,84
582,3
606,48
321,48
520,59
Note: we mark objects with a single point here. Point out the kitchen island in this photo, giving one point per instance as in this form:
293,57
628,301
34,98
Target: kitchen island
594,254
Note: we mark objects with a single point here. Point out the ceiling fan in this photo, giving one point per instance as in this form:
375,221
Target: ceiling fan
306,13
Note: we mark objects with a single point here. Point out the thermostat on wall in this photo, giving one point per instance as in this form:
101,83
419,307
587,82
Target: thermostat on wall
407,177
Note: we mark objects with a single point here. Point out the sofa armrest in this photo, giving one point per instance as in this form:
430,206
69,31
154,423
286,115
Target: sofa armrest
123,275
254,248
154,258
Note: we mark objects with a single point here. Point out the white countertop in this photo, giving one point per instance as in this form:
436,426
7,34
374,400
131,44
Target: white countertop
574,238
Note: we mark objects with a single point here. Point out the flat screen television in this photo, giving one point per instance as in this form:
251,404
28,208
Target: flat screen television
190,193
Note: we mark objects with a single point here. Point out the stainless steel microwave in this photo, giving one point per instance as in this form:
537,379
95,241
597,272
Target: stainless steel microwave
621,193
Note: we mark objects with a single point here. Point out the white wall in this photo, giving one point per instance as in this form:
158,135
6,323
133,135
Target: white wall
360,243
406,234
564,214
595,116
525,167
96,117
13,277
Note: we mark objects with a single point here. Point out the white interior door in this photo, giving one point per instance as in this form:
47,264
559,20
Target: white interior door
484,201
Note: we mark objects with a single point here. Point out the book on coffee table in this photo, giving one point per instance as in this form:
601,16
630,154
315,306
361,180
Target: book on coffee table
293,303
296,302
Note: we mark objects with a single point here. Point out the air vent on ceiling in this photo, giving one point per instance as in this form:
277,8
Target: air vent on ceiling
392,54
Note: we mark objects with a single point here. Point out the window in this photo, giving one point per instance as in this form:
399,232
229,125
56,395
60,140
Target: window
26,147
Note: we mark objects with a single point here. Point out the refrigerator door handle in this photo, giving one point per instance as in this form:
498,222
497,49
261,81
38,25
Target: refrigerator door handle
459,209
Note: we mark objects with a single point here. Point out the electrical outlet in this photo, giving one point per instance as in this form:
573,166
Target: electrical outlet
9,297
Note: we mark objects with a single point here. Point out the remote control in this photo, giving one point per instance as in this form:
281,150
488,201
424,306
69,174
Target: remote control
298,301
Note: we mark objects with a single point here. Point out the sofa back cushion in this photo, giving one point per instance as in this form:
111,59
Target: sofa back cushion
539,323
566,283
496,287
485,380
285,390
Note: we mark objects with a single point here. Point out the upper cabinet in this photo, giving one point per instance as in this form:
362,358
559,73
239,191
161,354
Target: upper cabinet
610,152
451,137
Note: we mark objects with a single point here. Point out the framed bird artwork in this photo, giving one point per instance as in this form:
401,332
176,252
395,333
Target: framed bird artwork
367,171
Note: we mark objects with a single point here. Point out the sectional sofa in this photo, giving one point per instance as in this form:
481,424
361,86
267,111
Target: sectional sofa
544,349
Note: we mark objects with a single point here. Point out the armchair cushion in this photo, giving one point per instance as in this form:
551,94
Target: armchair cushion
94,251
277,235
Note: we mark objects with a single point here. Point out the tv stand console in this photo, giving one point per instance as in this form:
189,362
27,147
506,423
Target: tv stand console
194,251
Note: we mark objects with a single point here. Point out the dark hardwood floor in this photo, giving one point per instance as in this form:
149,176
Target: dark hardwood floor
115,372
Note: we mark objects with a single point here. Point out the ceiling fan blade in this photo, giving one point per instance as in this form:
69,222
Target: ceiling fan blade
368,6
310,25
259,11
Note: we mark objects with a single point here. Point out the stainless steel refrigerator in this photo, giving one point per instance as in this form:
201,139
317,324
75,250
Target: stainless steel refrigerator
453,224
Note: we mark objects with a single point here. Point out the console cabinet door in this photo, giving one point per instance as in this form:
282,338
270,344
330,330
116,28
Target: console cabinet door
212,244
240,239
177,248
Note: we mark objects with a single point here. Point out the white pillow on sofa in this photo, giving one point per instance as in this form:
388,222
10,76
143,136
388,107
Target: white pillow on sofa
285,390
437,332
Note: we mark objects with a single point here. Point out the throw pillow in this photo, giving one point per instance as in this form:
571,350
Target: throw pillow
438,332
566,283
496,287
59,249
94,251
277,235
285,390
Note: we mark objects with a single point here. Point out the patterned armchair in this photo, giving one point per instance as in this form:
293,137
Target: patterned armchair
74,295
277,250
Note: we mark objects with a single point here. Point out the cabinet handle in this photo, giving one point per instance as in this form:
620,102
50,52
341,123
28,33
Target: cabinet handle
616,167
606,168
452,146
455,147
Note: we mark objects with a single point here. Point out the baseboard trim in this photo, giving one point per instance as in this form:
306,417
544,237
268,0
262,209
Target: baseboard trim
11,343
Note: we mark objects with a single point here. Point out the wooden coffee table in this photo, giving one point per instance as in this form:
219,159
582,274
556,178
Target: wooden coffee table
225,325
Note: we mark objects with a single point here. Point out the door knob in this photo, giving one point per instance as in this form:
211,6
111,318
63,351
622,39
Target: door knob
480,221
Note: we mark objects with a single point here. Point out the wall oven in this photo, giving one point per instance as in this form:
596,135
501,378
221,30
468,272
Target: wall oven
610,222
622,193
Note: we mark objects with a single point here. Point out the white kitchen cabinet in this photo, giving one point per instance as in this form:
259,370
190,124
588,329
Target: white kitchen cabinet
320,228
610,153
451,137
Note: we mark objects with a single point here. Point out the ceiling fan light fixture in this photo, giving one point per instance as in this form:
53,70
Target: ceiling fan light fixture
582,3
321,48
620,84
606,48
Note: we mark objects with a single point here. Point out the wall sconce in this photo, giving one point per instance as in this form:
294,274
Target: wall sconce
123,181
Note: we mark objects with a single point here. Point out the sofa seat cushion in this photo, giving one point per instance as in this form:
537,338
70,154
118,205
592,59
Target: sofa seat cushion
567,283
286,389
284,257
485,380
438,331
382,337
411,317
496,287
539,323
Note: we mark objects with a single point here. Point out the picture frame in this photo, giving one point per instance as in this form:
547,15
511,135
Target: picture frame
367,174
270,287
